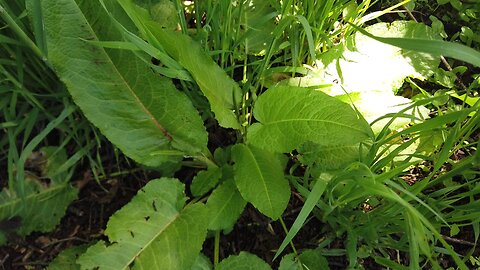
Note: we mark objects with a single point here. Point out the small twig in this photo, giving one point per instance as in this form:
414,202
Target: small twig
66,240
30,263
2,261
458,241
444,61
292,212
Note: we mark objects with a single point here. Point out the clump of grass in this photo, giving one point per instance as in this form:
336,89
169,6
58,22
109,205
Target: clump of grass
32,99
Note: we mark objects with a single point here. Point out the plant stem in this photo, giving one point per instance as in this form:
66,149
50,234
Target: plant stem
207,160
216,249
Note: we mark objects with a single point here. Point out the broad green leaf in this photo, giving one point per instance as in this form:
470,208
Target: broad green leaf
153,231
66,260
430,141
289,262
312,259
363,64
221,91
330,157
42,210
375,104
260,179
202,263
290,116
362,67
43,204
243,261
372,96
225,205
307,260
312,200
134,108
165,14
258,20
204,181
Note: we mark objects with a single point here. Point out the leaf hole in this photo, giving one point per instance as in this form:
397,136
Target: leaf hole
155,61
154,206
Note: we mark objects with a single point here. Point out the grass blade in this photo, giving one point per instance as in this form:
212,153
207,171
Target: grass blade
435,47
307,208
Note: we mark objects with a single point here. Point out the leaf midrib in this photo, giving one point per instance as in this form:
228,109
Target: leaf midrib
125,82
226,202
258,169
312,120
155,237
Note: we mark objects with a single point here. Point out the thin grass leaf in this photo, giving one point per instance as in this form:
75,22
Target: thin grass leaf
351,248
38,26
431,124
376,14
411,195
7,40
435,47
393,154
312,199
381,190
308,32
20,176
389,263
21,34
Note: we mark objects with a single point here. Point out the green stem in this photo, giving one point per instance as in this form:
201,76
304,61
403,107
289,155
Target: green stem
208,160
216,249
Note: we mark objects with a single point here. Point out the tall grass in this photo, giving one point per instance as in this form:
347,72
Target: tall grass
32,99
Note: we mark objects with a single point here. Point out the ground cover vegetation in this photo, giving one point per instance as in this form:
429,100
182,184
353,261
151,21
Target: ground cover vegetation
142,134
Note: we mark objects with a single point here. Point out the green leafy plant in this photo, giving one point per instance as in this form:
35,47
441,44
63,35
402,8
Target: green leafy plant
350,156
